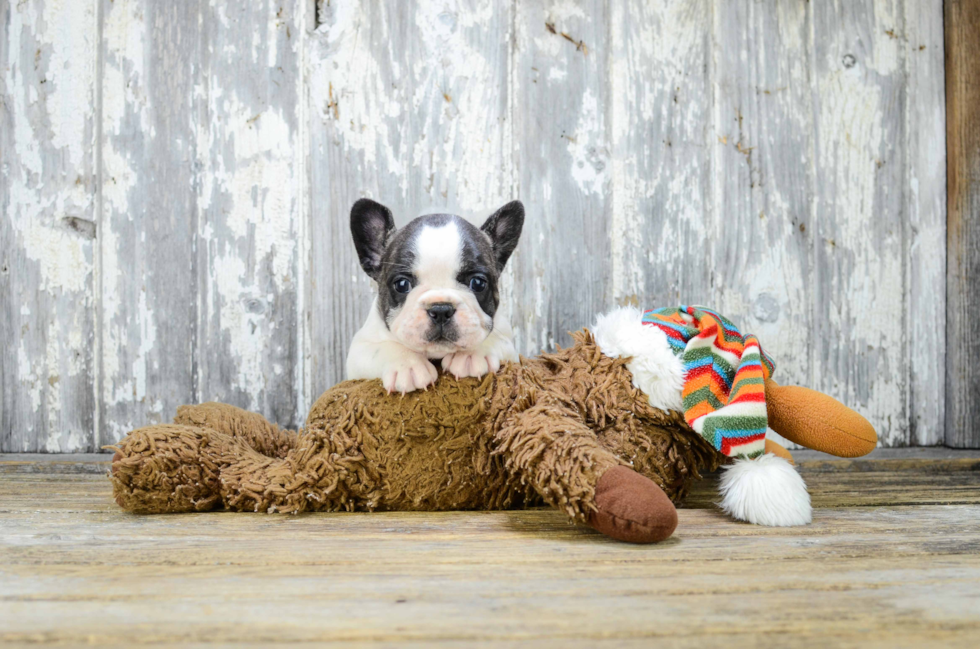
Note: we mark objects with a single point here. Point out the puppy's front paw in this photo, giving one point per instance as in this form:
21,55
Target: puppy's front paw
463,364
408,373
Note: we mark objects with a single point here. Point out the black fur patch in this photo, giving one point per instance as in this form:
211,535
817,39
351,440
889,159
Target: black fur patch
504,229
371,224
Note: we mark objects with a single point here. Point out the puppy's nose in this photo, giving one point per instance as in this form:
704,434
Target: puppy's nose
441,312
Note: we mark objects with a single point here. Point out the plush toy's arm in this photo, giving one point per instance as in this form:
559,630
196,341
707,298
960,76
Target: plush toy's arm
818,421
550,447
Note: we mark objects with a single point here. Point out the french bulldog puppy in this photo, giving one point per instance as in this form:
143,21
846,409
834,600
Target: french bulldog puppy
437,297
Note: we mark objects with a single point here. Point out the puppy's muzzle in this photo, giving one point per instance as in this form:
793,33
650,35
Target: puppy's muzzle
441,313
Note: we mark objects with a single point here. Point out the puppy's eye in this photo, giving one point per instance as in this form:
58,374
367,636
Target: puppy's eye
478,284
402,285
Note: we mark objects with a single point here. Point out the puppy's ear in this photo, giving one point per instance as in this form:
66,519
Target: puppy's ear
370,223
504,229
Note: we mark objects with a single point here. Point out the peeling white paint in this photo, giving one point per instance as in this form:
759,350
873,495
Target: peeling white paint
250,203
70,41
588,149
261,188
147,338
240,326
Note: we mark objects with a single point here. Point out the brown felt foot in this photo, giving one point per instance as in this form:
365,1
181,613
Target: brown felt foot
631,507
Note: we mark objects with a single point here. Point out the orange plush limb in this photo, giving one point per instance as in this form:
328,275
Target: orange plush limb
818,421
777,449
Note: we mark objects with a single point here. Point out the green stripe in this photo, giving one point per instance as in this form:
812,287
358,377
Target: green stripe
749,381
736,422
698,396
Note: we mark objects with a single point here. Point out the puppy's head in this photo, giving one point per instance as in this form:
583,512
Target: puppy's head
437,276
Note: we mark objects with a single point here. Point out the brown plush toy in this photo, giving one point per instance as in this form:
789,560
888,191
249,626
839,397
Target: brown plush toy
574,429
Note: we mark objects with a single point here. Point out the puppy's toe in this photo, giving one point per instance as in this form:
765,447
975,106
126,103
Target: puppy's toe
456,365
388,378
433,372
447,361
409,374
479,365
424,374
463,365
404,381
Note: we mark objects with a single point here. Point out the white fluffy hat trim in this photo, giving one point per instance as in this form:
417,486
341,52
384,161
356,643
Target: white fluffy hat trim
656,369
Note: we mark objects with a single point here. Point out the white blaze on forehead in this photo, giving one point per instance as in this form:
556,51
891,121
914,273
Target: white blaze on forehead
438,254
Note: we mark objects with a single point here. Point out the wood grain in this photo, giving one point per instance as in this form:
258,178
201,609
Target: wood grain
880,565
49,224
963,225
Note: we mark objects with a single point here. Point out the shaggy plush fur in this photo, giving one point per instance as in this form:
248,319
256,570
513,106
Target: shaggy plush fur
544,429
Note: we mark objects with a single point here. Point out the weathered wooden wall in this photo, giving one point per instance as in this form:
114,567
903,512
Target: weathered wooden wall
963,270
176,179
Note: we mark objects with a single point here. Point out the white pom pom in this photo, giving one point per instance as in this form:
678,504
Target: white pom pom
765,491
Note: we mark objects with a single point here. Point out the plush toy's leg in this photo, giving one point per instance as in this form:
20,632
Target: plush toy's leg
166,468
318,475
553,449
176,468
252,429
818,421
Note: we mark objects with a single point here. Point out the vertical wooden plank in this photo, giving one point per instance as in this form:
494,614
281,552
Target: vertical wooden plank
761,152
250,200
48,62
660,98
150,79
561,271
858,232
925,128
409,104
963,224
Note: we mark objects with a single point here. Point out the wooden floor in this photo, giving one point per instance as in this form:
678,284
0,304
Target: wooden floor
891,559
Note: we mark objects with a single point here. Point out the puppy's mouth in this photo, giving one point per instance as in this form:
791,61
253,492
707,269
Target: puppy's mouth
442,336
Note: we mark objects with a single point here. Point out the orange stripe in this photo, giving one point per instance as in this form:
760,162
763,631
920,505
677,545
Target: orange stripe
702,408
747,388
709,380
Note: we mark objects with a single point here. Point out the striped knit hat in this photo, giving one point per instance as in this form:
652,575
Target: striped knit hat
724,395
